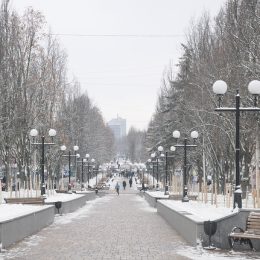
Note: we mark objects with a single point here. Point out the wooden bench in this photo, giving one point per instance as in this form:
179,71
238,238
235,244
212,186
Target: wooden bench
36,200
238,235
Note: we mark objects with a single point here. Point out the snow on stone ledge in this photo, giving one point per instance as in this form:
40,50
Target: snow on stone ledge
198,211
157,194
12,211
63,197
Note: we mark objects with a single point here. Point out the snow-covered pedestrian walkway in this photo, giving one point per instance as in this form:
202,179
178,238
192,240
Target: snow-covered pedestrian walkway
112,227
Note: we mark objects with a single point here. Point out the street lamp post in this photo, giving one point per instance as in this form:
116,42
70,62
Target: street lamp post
83,162
33,134
93,166
156,156
220,88
62,148
157,173
75,148
76,155
149,161
153,157
87,157
194,135
167,177
143,178
96,170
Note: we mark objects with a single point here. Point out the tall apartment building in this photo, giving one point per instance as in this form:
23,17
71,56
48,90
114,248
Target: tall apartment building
118,127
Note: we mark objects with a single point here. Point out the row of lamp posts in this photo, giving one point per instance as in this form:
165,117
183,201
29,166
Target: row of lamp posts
219,88
159,155
84,161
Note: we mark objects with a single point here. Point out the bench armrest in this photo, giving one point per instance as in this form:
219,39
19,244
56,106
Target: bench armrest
234,229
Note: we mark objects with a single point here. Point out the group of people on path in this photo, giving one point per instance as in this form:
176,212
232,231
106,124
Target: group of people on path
117,187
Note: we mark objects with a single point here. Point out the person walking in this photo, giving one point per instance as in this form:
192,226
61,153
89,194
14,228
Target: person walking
124,184
117,187
130,182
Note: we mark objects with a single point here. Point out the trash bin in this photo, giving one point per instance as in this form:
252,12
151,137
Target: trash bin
58,205
210,228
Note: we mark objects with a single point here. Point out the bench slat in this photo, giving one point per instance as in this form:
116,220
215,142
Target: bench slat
244,235
253,223
254,219
256,225
252,228
37,200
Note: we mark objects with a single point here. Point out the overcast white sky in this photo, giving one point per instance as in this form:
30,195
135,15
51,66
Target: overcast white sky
121,74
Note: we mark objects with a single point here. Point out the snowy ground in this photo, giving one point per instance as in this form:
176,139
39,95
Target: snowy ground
89,209
11,211
199,210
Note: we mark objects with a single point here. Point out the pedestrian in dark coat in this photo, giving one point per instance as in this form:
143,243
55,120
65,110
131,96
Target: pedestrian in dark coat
130,182
124,184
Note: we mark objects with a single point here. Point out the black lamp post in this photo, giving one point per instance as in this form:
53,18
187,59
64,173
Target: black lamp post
156,156
75,148
93,166
83,162
87,157
149,161
167,178
157,173
33,134
82,171
155,159
194,135
152,160
95,172
220,88
143,179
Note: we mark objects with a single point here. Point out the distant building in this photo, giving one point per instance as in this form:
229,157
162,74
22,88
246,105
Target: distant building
118,127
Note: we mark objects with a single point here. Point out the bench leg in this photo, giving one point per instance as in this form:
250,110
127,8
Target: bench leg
231,242
250,244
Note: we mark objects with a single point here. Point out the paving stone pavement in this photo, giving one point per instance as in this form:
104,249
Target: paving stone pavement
111,227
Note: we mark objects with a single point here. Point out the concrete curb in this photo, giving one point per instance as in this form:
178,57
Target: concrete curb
193,231
152,200
74,204
16,229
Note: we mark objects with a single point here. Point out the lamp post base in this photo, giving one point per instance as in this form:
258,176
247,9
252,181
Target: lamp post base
166,192
185,195
238,198
185,199
43,189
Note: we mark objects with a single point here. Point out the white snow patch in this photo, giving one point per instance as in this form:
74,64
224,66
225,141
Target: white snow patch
11,211
80,213
198,211
203,254
144,204
63,197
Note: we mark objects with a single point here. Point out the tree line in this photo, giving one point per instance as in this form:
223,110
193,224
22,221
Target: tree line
35,93
227,48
